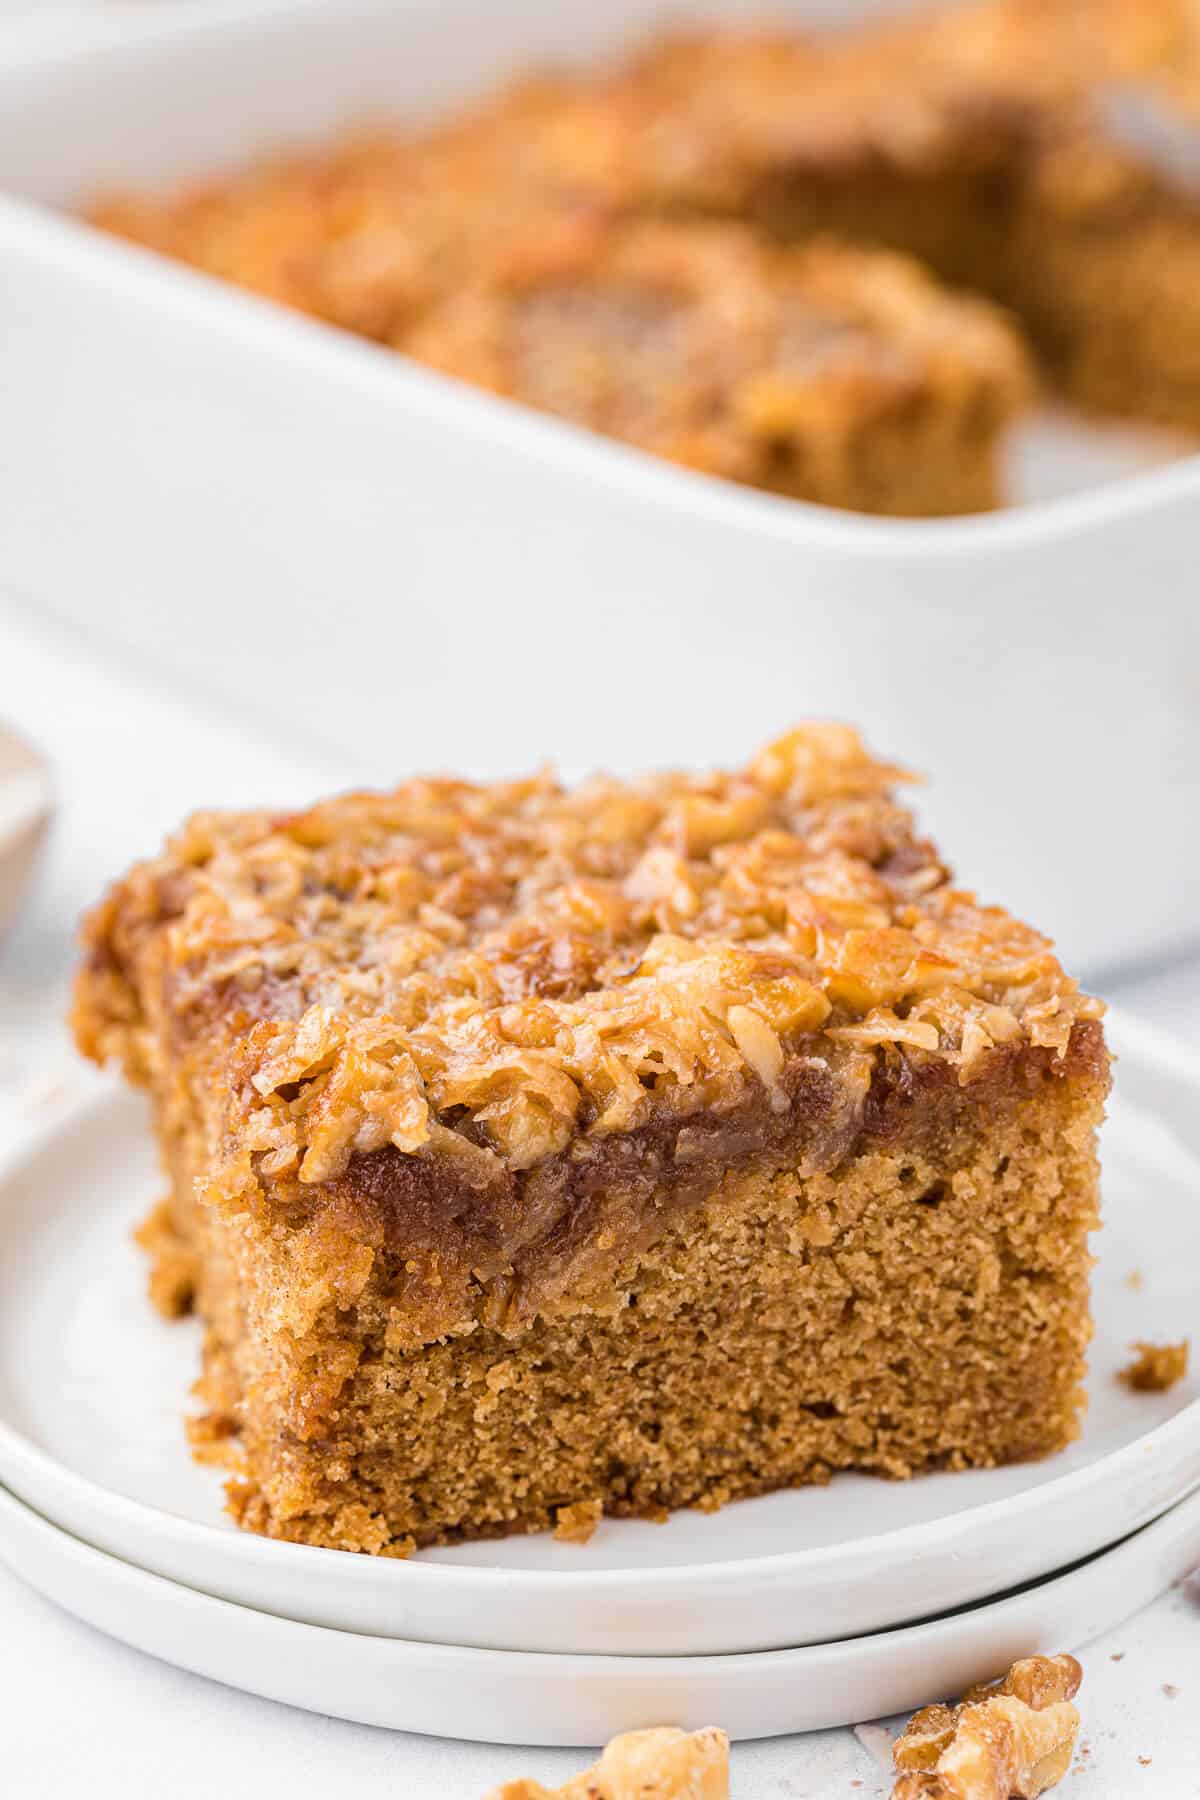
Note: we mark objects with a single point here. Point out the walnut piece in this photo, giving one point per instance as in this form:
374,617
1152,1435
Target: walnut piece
1005,1739
1156,1367
663,1763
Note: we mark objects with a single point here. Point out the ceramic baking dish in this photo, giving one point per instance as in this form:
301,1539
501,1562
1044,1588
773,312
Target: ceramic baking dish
373,557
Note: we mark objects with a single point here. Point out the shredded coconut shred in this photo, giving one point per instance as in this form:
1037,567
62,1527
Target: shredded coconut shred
493,970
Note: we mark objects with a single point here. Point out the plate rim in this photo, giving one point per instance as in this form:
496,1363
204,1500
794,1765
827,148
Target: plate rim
901,1666
1127,1036
1186,1509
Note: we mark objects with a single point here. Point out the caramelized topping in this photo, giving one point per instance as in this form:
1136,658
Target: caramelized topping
490,972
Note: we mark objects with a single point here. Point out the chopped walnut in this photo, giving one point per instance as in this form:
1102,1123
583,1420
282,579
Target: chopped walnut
1008,1739
1156,1367
663,1763
1037,1680
576,1523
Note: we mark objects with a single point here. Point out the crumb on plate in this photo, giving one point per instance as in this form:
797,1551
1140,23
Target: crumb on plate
1156,1367
576,1524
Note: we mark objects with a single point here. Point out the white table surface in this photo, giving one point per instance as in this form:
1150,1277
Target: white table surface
82,1715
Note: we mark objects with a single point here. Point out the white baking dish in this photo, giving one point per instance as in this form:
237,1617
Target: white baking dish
372,556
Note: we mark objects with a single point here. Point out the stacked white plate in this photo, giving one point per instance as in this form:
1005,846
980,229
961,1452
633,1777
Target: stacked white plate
795,1611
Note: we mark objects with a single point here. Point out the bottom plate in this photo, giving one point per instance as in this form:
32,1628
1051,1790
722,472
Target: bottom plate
93,1383
512,1697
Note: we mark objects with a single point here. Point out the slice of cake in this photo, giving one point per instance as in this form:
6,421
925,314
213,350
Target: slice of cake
367,233
642,1145
1045,152
843,376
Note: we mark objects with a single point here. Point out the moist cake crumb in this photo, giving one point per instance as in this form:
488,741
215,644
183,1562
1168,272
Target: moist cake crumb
825,373
576,1524
651,1143
1156,1367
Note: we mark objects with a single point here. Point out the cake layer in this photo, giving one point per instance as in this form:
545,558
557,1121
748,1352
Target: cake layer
826,373
512,1128
1044,152
906,1311
466,1004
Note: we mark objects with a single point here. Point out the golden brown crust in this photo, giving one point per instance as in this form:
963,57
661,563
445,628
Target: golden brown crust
706,119
500,248
709,348
1042,151
389,221
487,975
481,1040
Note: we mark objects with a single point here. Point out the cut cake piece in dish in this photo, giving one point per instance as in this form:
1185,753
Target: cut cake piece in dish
842,376
648,1144
372,230
847,377
1046,152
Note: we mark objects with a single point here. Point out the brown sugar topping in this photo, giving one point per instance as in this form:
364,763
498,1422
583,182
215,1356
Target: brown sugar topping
375,230
491,971
710,348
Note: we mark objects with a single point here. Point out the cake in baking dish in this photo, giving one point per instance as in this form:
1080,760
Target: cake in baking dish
821,372
1043,153
537,1153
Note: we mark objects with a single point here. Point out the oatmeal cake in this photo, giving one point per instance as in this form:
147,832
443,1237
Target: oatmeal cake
539,1151
1044,152
825,373
873,388
374,231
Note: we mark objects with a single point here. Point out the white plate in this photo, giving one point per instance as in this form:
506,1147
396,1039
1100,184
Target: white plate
506,1697
93,1384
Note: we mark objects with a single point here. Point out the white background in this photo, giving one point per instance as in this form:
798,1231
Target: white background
81,1715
